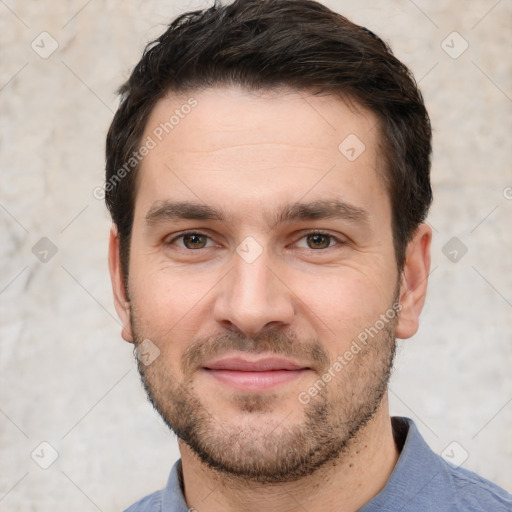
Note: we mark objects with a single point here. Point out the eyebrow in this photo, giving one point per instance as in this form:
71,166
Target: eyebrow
168,211
322,209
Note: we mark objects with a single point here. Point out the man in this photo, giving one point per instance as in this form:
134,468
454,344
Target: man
268,179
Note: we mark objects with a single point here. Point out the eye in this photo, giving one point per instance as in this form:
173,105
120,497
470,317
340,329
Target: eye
192,241
317,241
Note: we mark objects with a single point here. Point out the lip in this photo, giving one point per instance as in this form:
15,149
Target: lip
264,364
254,375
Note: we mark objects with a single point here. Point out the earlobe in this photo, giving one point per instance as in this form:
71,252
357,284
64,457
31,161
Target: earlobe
121,302
413,286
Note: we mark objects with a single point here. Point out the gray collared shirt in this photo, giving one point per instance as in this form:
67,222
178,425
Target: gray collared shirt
421,482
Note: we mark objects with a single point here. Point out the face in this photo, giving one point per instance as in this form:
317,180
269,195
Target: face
263,275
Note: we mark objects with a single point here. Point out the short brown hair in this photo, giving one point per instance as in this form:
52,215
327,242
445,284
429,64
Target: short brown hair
266,44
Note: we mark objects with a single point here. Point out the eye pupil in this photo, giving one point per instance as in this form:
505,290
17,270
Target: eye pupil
318,241
194,241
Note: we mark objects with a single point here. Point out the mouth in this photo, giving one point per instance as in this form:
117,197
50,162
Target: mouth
254,375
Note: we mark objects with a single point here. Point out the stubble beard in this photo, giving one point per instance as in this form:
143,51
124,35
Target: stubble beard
265,448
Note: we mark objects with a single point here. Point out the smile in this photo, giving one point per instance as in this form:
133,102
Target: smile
260,375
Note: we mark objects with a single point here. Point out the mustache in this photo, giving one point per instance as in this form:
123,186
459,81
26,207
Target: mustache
275,342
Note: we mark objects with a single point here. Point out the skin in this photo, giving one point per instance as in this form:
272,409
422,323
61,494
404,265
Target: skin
249,155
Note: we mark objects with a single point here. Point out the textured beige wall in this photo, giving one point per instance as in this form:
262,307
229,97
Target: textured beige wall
66,377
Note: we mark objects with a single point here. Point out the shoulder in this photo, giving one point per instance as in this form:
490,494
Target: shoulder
472,492
424,481
150,503
169,499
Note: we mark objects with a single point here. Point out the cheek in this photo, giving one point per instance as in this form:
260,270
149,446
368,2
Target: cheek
341,304
170,305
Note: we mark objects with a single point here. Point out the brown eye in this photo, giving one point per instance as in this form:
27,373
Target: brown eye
194,241
318,241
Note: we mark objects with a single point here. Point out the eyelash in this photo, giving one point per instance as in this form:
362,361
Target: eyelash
309,233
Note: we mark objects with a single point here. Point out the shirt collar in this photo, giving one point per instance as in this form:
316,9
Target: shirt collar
173,498
417,471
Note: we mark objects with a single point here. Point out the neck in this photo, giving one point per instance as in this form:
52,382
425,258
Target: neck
345,484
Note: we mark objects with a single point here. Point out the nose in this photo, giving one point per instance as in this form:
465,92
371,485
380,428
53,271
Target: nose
253,298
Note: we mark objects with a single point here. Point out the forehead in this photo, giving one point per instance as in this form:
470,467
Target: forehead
251,145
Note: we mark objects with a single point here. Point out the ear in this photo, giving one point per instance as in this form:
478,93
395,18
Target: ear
413,286
121,302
